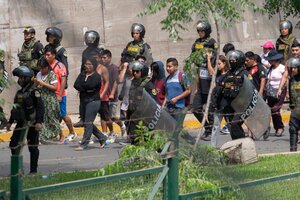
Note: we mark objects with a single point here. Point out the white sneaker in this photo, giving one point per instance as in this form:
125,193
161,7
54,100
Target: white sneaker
111,139
124,143
70,138
123,131
90,142
225,130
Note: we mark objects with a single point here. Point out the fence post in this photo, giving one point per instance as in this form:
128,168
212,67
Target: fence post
16,166
16,182
173,163
173,188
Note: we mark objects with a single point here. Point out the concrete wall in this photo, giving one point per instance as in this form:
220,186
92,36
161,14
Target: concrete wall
112,19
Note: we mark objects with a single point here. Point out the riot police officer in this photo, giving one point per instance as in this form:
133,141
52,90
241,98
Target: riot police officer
28,111
54,37
227,91
139,82
204,44
138,46
91,39
294,85
285,40
31,50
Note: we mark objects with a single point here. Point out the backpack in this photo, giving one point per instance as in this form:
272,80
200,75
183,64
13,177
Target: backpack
57,64
187,99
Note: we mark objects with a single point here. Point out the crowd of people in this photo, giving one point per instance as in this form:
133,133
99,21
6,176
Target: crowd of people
43,77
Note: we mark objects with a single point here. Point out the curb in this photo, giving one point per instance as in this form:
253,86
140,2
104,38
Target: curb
191,123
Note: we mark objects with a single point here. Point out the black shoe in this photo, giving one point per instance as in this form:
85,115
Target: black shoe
32,172
206,137
78,124
266,134
3,124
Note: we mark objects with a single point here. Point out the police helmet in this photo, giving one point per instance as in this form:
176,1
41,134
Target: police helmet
204,26
29,29
138,28
23,71
294,63
139,66
91,38
238,56
286,25
56,32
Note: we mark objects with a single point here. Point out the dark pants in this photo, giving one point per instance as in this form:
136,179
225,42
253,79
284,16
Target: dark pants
3,120
275,105
91,111
33,142
199,101
294,128
81,110
175,113
235,124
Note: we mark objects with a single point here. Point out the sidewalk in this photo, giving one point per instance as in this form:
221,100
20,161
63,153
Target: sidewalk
190,122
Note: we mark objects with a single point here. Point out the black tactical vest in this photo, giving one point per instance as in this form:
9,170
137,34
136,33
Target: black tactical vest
295,98
26,55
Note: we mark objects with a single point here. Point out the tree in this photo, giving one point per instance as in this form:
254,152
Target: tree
181,12
283,7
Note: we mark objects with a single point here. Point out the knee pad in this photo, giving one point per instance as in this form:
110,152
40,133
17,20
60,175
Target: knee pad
293,130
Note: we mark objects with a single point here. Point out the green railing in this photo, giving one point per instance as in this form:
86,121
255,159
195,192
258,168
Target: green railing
148,183
244,185
106,187
2,195
155,183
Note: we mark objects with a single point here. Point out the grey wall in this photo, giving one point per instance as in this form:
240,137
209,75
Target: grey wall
112,19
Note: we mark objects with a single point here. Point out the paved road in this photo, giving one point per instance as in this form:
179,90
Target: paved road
272,145
56,158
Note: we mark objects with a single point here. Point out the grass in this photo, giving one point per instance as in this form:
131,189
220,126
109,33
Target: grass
268,166
287,190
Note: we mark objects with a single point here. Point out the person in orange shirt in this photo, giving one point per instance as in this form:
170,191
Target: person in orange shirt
61,73
104,93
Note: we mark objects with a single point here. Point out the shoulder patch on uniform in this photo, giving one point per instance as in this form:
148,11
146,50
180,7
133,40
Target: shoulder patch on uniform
216,46
65,53
154,92
37,94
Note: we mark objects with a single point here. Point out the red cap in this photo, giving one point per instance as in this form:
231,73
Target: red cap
268,45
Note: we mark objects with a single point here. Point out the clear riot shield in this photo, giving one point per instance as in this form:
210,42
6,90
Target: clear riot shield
153,116
253,110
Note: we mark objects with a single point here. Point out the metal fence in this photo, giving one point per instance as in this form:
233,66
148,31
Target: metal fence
140,184
272,188
161,182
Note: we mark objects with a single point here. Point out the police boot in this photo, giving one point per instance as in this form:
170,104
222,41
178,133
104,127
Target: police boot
34,157
3,123
293,138
207,134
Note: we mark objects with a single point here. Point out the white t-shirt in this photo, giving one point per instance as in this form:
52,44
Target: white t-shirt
264,61
275,75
